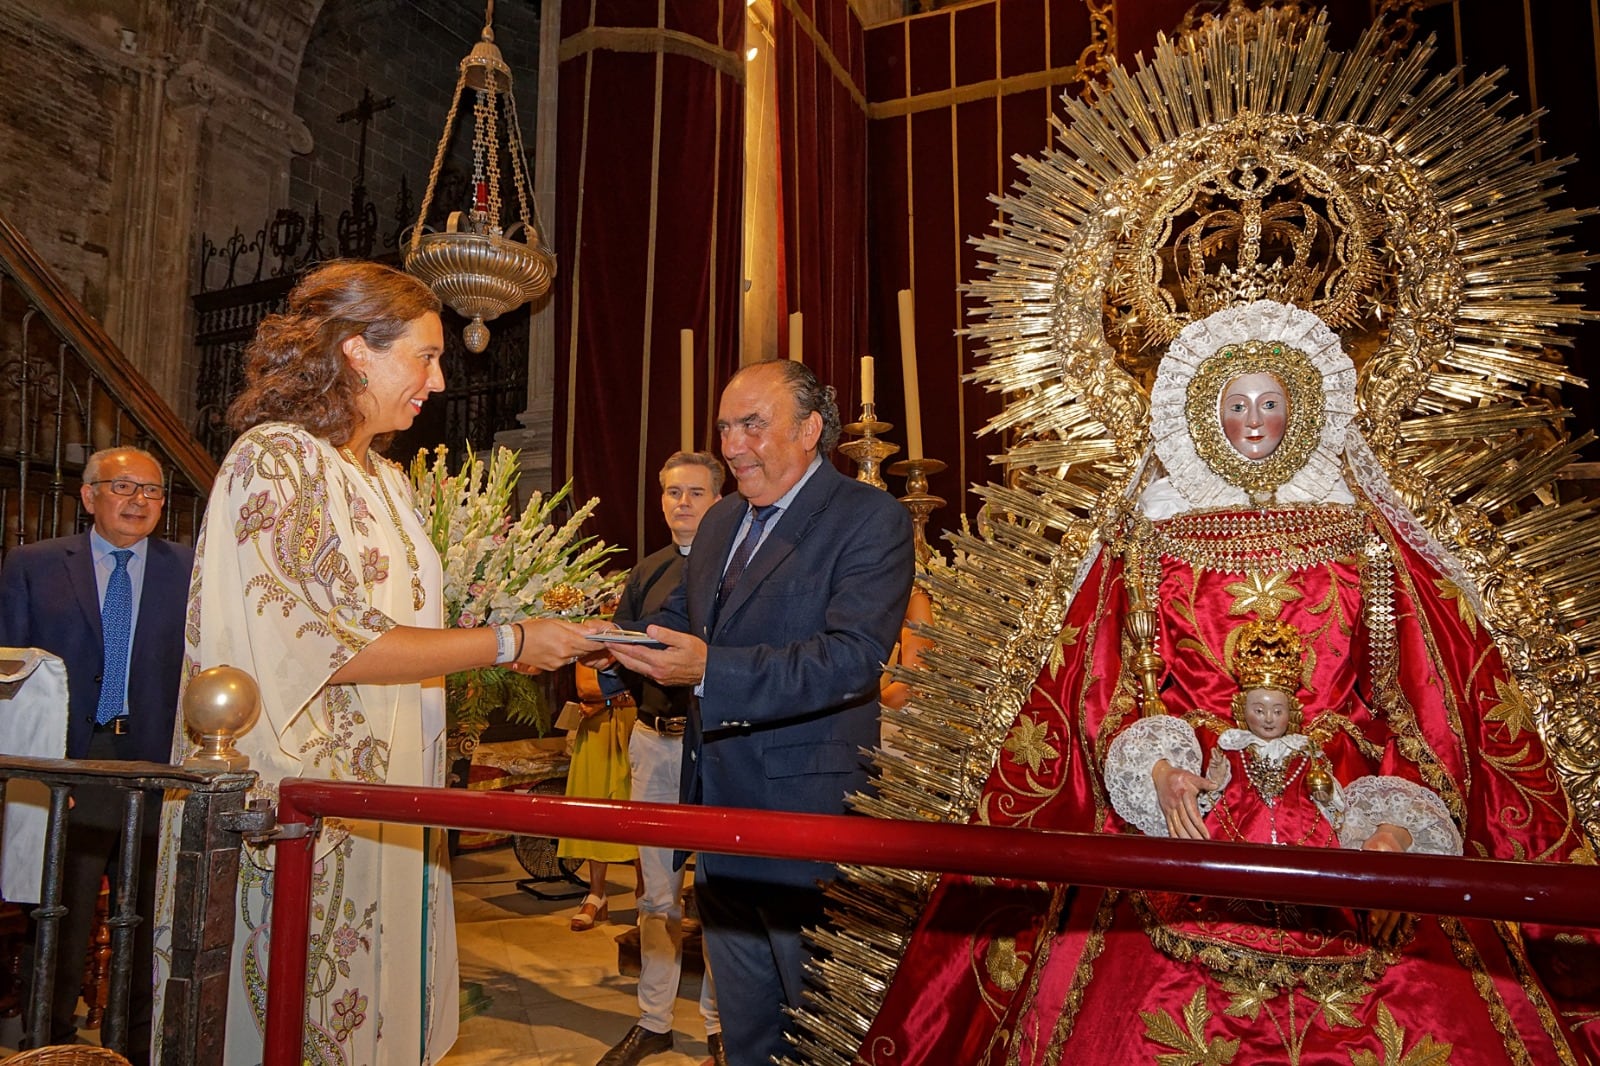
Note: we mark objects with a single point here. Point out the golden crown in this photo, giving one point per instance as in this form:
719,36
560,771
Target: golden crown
1268,655
1256,250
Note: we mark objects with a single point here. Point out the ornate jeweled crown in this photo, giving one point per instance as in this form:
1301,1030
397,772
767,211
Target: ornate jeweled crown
1268,655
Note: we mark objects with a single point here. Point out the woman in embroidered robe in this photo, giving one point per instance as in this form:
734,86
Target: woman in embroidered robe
314,575
1401,680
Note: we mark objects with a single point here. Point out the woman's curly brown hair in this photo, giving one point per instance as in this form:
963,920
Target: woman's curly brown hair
295,369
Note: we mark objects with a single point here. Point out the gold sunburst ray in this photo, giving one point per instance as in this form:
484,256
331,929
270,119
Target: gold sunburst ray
1495,419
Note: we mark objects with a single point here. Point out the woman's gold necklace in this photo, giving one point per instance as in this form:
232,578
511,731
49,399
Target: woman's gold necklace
418,598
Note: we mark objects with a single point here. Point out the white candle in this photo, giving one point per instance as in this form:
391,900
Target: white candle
795,350
866,379
908,367
686,388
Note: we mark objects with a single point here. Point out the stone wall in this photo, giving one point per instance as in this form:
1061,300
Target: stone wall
65,93
130,127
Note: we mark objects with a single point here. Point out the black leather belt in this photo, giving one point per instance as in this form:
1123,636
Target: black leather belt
663,724
116,727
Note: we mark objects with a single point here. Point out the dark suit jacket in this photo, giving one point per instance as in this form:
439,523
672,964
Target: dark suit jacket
794,655
48,599
648,587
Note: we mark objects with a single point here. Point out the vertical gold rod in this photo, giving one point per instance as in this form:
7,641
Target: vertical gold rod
650,281
956,234
795,276
822,119
1533,78
1461,62
1594,27
911,188
716,198
577,258
999,99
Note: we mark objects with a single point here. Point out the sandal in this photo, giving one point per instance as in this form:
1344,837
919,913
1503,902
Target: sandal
595,909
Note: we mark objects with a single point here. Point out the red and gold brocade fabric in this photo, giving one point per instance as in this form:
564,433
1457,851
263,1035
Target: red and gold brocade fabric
1010,973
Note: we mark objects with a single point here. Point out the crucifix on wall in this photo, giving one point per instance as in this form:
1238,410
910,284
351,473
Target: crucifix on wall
358,227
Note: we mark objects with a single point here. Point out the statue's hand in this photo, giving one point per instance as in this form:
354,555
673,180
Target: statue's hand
1383,925
1178,791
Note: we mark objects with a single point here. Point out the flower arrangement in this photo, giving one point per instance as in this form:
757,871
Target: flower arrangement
498,569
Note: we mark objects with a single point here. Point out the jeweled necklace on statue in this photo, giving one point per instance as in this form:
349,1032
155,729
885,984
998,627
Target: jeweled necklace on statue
1270,777
418,596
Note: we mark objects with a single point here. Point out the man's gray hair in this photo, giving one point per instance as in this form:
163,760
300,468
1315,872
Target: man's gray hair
810,395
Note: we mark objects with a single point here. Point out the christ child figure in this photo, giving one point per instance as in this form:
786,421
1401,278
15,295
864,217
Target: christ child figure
1265,781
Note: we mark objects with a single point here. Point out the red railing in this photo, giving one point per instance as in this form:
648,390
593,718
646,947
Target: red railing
1474,888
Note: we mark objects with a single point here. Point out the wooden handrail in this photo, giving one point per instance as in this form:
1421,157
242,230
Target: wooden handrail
84,333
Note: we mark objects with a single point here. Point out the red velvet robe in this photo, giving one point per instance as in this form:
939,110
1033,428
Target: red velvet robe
1006,973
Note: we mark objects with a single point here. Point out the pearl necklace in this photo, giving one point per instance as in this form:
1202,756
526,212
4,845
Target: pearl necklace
418,597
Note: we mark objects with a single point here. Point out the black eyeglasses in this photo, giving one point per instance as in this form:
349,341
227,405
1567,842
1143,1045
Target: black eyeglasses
124,487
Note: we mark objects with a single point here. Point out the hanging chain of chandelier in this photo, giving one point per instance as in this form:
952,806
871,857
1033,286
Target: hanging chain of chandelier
477,266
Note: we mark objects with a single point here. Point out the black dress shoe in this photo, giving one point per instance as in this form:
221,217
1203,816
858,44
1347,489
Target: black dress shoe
719,1057
635,1045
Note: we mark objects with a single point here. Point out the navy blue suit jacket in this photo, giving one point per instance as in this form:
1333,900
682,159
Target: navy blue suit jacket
794,656
49,600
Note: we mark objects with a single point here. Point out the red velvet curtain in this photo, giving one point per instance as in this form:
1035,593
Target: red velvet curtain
954,95
649,172
822,160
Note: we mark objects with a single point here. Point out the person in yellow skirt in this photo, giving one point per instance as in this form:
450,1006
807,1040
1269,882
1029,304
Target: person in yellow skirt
599,727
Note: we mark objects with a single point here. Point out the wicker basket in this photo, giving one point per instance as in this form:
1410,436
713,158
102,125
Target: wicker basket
68,1055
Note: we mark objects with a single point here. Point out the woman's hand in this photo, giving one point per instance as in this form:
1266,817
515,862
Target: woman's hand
1383,925
551,643
1178,791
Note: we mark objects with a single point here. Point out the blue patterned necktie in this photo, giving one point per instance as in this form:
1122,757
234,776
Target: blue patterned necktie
116,634
746,548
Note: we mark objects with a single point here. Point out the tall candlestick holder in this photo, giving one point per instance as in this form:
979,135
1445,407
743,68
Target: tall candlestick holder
868,451
918,500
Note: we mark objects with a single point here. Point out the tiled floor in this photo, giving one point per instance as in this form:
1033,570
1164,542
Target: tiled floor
545,996
554,997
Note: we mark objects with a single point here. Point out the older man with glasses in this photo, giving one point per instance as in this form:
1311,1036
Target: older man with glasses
110,603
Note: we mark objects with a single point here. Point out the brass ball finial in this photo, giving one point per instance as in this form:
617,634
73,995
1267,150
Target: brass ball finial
219,704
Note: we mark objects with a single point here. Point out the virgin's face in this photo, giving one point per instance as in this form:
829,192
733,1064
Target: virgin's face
1254,410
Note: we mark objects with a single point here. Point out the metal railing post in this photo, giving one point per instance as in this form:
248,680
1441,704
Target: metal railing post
206,890
291,930
47,916
123,922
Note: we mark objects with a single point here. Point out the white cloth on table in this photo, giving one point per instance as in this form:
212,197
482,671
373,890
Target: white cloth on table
33,722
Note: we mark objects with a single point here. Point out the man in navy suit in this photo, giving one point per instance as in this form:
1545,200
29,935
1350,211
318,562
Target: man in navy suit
52,595
786,612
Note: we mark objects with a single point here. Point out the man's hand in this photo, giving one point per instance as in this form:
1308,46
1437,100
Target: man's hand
681,662
1177,792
